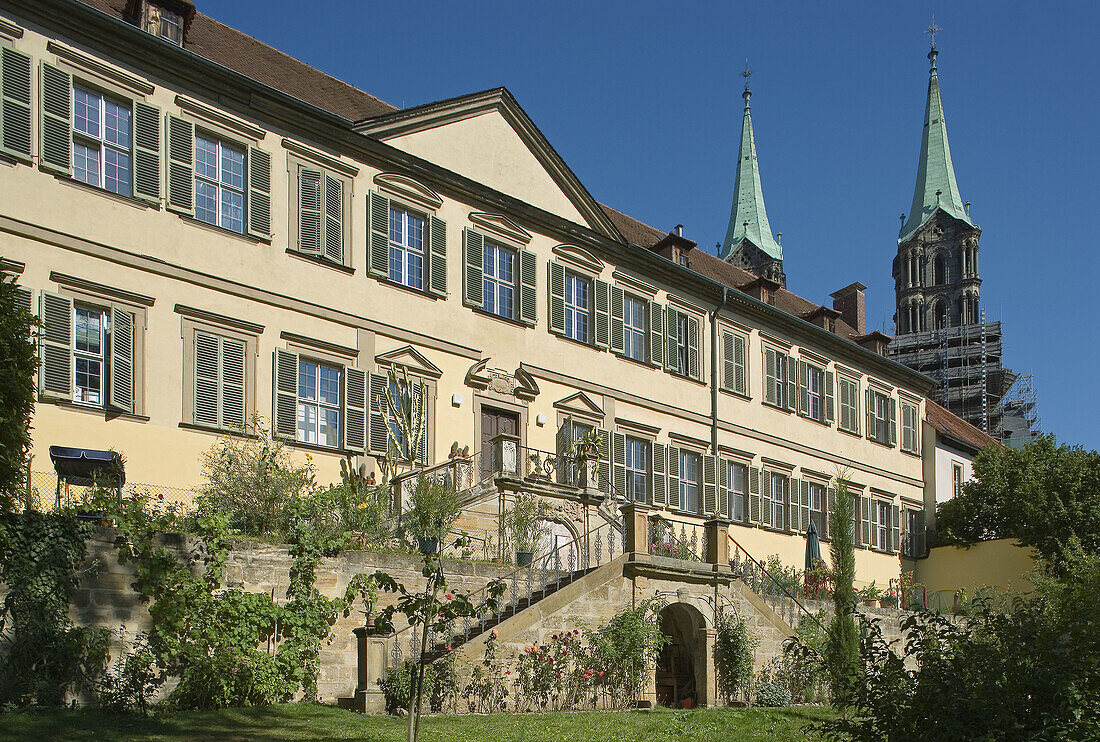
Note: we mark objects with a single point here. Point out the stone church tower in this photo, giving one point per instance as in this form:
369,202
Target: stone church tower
749,243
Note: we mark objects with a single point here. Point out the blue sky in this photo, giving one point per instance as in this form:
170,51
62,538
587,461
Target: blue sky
642,100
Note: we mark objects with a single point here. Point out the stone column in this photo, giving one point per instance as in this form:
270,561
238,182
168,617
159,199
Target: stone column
705,669
718,543
636,522
505,453
371,655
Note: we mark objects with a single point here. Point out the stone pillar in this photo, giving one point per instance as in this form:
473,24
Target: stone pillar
371,655
505,453
636,532
718,543
706,674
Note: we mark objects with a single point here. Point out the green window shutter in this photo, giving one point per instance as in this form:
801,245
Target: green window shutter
740,370
55,134
437,257
528,287
771,374
618,462
26,299
672,321
602,312
755,506
804,502
828,504
618,299
355,410
674,476
855,407
895,529
803,388
792,383
865,521
233,364
656,334
379,430
563,440
15,104
286,394
147,149
422,403
870,414
557,298
473,252
728,368
710,484
310,190
120,382
181,165
768,503
56,346
378,259
794,512
725,488
892,423
659,467
334,219
604,474
205,405
830,399
259,193
693,347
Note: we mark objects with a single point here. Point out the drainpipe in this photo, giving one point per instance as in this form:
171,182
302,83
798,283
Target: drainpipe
714,362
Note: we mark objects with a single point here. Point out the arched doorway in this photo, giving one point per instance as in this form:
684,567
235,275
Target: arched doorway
559,544
681,671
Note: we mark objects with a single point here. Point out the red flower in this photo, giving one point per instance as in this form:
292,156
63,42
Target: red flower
449,596
558,675
494,633
507,672
448,647
600,673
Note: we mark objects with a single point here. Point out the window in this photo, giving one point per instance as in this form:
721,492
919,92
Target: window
634,328
776,377
219,183
578,307
318,403
219,373
775,501
815,402
499,280
89,355
849,405
734,373
914,534
637,469
817,506
163,23
880,525
909,438
956,480
406,248
738,477
102,141
682,330
881,417
690,481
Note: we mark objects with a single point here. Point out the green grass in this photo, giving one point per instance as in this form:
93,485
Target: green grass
310,722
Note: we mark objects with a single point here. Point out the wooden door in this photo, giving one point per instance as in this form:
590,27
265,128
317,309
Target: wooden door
493,423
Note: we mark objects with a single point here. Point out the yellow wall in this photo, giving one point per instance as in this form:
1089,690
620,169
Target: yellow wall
1001,564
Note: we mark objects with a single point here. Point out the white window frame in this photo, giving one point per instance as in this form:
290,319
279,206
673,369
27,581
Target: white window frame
219,183
578,315
815,393
958,478
637,469
99,142
852,406
492,284
737,475
683,328
880,524
817,499
881,417
910,430
102,357
318,405
403,252
634,334
691,487
776,505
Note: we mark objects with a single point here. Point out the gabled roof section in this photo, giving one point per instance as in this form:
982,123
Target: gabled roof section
401,129
936,187
579,403
412,359
748,218
957,430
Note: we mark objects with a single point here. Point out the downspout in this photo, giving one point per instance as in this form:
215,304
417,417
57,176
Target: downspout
714,360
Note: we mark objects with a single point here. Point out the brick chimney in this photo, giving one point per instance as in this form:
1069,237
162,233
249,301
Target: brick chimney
849,302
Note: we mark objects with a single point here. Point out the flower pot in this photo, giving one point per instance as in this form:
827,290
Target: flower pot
871,603
428,545
370,620
689,703
889,602
524,558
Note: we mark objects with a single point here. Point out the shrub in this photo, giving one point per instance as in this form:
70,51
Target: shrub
842,645
434,509
734,649
525,522
772,694
626,648
397,685
785,579
18,361
133,680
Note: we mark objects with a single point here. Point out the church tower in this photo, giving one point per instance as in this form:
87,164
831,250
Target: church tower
749,243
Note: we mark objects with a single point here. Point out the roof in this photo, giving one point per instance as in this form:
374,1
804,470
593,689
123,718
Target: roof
936,187
243,54
949,424
748,218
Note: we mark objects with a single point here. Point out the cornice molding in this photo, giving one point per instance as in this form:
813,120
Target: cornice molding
579,257
320,158
7,265
409,189
10,30
634,283
94,66
410,358
322,345
500,226
214,116
251,328
82,284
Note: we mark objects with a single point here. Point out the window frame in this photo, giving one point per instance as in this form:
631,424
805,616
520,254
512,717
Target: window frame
881,402
686,484
102,357
99,141
211,325
910,429
222,143
574,311
773,505
815,372
817,491
683,345
880,524
847,382
635,345
487,281
405,250
732,470
958,479
635,447
317,403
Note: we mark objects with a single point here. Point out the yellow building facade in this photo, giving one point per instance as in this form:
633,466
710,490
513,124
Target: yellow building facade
204,244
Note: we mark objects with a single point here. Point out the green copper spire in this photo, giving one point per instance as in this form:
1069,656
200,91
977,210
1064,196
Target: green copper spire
748,219
936,186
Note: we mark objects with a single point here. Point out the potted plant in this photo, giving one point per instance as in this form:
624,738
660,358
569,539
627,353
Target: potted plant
870,595
889,599
369,591
525,522
434,509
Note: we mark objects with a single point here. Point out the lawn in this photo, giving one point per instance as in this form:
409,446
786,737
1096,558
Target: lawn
310,722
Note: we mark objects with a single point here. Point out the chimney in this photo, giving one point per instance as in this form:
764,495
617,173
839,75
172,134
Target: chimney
679,230
850,303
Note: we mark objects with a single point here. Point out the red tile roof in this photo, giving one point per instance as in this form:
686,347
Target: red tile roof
948,423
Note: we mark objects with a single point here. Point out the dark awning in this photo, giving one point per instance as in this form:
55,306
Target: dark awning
82,465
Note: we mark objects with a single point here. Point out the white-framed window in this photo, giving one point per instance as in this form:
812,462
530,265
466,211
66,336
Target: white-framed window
817,505
102,141
776,367
637,469
682,330
499,280
775,500
690,481
914,534
90,342
879,417
849,404
910,439
406,247
880,525
219,183
634,327
162,22
738,478
957,479
319,403
578,307
815,399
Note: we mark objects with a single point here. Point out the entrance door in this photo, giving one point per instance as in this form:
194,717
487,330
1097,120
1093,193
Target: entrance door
493,423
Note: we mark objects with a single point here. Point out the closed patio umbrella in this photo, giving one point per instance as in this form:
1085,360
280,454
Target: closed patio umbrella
813,547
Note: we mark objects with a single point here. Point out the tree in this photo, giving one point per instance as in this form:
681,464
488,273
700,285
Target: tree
1043,495
18,362
842,643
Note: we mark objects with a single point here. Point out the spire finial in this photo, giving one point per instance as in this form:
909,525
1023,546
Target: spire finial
746,73
932,30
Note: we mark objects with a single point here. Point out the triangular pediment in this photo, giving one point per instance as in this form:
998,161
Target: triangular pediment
488,138
410,358
500,225
579,403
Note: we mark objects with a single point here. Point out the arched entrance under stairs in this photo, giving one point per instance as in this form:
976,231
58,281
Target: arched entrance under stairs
681,671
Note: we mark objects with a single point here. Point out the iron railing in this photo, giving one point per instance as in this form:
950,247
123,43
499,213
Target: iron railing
766,585
688,543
